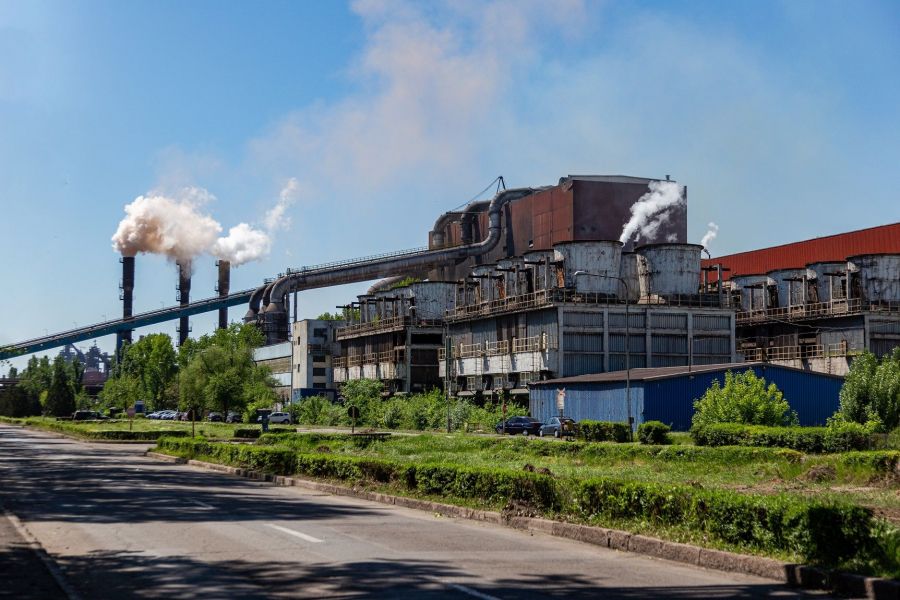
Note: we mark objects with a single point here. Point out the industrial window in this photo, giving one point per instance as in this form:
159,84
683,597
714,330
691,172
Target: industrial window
320,333
320,386
318,372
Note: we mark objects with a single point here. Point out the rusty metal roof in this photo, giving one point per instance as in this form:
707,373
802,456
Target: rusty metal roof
831,248
661,373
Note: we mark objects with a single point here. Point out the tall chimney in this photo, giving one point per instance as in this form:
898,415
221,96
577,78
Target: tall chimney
224,288
126,295
184,297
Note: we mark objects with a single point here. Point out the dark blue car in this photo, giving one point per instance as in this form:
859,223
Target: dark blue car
523,425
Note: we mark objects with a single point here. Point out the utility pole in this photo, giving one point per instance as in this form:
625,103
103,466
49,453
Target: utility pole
447,347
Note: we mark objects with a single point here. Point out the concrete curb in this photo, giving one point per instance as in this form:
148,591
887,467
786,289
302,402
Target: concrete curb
791,574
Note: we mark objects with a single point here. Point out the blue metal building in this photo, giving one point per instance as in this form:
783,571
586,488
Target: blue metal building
668,394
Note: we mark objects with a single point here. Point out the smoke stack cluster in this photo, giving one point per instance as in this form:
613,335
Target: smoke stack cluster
184,298
224,289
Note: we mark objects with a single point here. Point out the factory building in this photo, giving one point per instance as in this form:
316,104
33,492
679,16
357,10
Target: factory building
394,335
315,345
668,394
278,358
816,304
582,308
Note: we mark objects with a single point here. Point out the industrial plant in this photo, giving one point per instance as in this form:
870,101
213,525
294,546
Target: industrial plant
589,276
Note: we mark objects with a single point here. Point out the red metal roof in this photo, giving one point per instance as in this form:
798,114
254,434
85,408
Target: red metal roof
885,238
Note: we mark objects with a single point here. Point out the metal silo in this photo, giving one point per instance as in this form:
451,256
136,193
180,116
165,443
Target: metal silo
669,269
597,258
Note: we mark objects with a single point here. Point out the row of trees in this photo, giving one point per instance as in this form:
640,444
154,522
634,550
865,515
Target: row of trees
54,388
215,372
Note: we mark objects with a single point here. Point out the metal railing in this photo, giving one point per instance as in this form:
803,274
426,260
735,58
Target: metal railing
354,261
814,310
535,343
799,352
495,348
385,324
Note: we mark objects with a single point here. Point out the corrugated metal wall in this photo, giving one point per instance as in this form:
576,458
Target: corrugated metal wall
831,248
597,402
275,351
814,397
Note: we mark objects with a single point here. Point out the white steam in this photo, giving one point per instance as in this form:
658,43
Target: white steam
710,235
242,245
651,211
174,227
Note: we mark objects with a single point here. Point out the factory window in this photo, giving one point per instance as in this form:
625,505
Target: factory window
320,332
320,386
318,372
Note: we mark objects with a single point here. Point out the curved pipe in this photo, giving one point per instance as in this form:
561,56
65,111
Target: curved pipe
255,299
388,267
468,217
437,234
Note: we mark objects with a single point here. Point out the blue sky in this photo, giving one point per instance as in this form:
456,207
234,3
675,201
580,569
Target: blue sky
783,119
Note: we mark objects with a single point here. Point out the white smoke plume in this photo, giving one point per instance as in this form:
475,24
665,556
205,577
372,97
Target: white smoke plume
710,235
242,245
275,218
651,211
174,227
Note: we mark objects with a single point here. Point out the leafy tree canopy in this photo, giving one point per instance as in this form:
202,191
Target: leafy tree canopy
744,399
871,391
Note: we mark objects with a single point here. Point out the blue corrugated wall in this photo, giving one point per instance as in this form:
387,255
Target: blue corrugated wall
813,396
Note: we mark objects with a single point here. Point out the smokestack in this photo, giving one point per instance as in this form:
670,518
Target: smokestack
224,287
126,295
184,297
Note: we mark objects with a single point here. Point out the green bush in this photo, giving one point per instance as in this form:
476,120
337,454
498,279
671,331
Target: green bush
744,399
848,437
871,391
602,431
821,533
653,432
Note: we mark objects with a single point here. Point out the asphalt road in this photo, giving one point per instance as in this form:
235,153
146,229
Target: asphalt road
120,525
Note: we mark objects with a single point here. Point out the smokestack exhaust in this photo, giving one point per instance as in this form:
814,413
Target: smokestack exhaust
126,295
184,297
224,288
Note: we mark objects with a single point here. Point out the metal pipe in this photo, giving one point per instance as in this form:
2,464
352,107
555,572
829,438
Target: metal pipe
427,260
385,284
437,234
468,217
255,299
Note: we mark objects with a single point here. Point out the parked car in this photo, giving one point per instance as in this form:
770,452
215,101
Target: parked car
214,417
524,425
234,417
275,418
167,415
558,427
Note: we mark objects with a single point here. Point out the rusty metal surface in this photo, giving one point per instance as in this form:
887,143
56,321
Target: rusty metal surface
833,248
669,268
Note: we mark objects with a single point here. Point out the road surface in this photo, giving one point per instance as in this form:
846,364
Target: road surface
120,525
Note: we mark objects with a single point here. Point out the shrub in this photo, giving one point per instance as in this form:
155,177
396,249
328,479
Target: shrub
653,432
803,439
602,431
821,533
744,399
871,391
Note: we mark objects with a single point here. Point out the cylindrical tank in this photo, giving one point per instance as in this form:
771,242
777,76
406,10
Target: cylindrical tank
543,273
668,269
483,274
628,270
433,298
752,289
594,258
879,276
828,279
511,269
790,284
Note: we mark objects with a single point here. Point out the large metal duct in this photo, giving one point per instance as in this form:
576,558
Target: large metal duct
254,305
387,267
224,288
127,288
440,226
791,286
385,284
468,217
184,298
669,269
600,258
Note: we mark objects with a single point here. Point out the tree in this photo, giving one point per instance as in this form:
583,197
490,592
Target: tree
16,402
13,373
60,398
871,391
154,361
37,376
744,399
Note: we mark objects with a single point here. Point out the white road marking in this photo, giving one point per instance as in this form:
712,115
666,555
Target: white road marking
469,591
302,536
198,503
